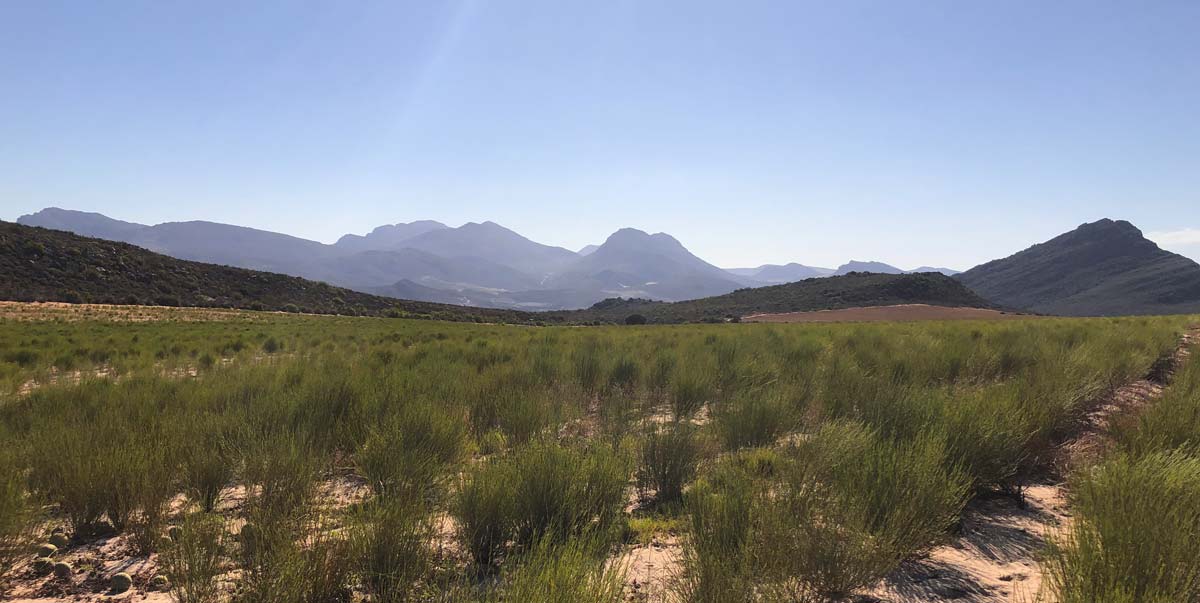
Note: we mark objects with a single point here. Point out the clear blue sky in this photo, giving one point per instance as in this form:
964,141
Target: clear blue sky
925,132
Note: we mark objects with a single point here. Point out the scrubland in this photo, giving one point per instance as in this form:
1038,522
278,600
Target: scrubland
314,459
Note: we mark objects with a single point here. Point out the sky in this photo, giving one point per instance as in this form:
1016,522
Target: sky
931,132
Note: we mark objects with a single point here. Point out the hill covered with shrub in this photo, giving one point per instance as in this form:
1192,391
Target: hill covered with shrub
857,289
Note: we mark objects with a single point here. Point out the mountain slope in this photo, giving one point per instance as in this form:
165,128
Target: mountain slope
496,243
787,273
354,262
368,270
632,263
1103,268
389,236
38,264
945,271
83,223
848,291
876,267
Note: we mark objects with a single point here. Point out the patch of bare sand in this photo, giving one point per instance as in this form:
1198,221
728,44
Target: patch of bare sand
902,312
649,568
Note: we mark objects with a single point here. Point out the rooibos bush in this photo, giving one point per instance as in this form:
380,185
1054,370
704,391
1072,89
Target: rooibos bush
670,456
194,564
1134,533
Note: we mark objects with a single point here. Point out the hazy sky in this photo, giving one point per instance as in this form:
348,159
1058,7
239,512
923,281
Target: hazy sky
922,132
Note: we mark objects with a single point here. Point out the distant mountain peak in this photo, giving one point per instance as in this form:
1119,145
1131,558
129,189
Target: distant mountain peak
867,266
1106,267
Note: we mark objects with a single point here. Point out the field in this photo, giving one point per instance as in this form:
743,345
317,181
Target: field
271,457
902,312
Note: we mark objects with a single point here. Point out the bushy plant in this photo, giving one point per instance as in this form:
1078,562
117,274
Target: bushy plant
718,551
670,456
484,510
1133,536
853,505
195,562
750,421
16,514
391,543
570,572
412,453
207,460
545,490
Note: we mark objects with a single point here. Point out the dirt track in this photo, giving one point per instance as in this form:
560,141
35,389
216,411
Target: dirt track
887,313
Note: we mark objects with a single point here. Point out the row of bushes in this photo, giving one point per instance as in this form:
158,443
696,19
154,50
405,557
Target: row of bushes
1137,513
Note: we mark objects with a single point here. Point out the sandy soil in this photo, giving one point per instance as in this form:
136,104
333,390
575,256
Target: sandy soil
35,311
887,313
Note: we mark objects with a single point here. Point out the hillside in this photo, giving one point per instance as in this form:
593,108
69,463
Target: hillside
857,289
857,266
38,264
776,273
1104,268
632,263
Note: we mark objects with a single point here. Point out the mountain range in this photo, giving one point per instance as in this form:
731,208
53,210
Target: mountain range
476,264
41,264
1105,267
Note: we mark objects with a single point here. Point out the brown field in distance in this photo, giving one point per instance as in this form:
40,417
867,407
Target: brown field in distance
903,312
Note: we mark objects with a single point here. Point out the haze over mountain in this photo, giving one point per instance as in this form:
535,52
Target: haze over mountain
482,264
1106,267
632,263
876,267
859,289
786,273
388,236
945,271
1101,268
41,264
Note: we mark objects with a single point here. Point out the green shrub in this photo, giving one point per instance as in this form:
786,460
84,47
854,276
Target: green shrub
391,543
718,550
853,506
543,491
207,460
1134,533
484,510
493,442
194,564
411,454
562,573
16,515
751,421
670,456
691,387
